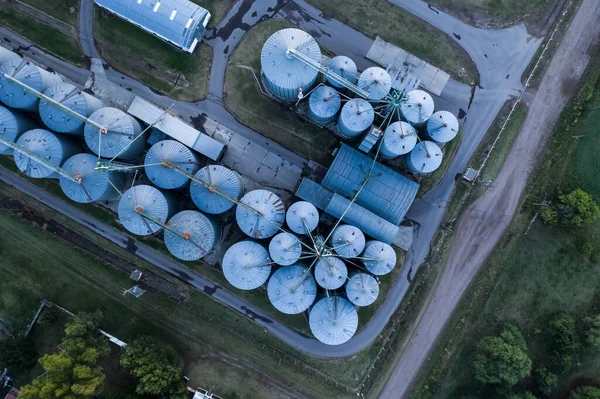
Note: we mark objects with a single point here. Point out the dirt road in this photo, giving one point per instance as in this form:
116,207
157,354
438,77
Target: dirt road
483,223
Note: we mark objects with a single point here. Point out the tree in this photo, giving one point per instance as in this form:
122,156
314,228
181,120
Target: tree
576,208
545,380
523,395
585,393
591,328
17,353
502,360
48,316
156,368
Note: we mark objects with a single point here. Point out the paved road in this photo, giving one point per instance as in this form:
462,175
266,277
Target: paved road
483,224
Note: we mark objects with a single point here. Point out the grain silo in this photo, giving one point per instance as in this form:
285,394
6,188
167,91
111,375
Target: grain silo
333,320
417,107
221,181
375,81
25,72
7,55
343,67
52,148
246,265
426,157
357,116
285,75
442,126
347,241
174,153
72,97
191,235
141,205
12,125
399,139
118,138
362,289
92,185
260,214
331,272
323,104
285,249
302,217
379,258
292,289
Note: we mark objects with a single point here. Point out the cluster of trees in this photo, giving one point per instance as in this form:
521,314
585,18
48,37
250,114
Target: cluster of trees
576,208
503,361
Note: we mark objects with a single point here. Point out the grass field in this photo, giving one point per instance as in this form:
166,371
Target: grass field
65,10
50,39
532,277
152,61
217,9
243,99
404,30
498,11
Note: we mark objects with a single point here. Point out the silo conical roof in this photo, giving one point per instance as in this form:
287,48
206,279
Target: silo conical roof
122,130
292,289
150,201
379,258
323,104
399,139
285,249
246,265
176,154
442,126
12,126
362,289
193,235
25,72
265,219
357,116
94,185
348,241
344,67
417,107
333,320
426,157
44,144
225,181
302,217
7,55
375,81
331,272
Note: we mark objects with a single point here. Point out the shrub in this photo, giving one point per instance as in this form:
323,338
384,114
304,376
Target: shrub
545,380
591,328
576,208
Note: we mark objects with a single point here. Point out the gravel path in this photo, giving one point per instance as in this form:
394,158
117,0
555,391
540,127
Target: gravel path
485,221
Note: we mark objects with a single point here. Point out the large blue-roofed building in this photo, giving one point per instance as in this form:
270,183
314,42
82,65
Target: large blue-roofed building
180,23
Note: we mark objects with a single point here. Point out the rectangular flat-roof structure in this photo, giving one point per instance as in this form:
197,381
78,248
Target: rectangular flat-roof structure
176,128
180,23
387,194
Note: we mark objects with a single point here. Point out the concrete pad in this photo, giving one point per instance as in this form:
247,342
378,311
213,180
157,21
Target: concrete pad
256,152
272,160
404,239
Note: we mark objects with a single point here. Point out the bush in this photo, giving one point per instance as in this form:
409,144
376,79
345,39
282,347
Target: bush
524,395
591,328
48,316
562,332
545,380
574,209
585,247
585,393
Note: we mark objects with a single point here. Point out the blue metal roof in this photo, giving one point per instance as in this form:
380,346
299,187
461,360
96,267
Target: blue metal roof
344,67
54,149
12,126
387,193
179,22
94,185
25,72
153,202
119,139
200,233
224,181
7,55
292,289
333,320
323,104
175,153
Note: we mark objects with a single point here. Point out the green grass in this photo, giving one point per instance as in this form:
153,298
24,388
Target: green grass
531,277
431,180
65,10
243,99
393,24
152,61
499,11
217,9
50,39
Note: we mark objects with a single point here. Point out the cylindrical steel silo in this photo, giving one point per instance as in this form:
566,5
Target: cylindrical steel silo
348,241
323,104
302,217
154,204
93,185
344,67
399,139
442,126
426,157
357,116
362,289
375,81
72,97
331,272
221,181
292,289
118,139
285,249
417,107
284,74
265,217
12,125
174,153
333,320
192,235
246,265
379,258
25,72
7,55
53,148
